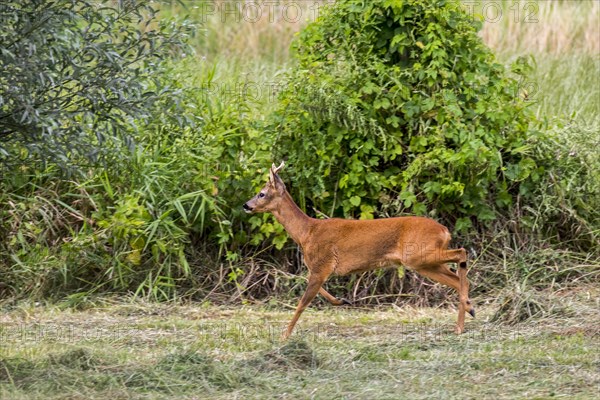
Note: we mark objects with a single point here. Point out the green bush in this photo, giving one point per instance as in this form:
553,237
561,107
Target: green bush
154,223
398,107
75,75
566,201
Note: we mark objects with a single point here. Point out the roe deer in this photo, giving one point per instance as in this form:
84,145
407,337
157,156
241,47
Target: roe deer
342,246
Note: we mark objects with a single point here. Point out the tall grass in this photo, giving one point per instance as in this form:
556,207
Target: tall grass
242,30
567,88
540,27
245,30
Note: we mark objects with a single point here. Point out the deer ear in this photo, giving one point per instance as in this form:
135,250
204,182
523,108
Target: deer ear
279,185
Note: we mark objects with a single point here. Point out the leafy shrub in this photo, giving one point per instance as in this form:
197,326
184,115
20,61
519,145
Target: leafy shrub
568,197
153,223
399,107
75,75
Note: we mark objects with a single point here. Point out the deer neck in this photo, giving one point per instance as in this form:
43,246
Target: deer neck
296,223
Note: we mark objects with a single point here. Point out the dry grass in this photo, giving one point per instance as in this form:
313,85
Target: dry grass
541,27
246,31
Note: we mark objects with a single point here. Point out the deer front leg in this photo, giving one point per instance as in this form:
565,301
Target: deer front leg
314,285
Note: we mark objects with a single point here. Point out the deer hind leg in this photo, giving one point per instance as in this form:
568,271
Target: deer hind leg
332,299
459,256
461,262
314,285
439,271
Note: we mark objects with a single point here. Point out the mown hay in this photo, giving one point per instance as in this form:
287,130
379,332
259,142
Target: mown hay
518,305
295,354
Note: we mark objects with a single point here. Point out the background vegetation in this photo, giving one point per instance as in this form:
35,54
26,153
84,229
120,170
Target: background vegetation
160,217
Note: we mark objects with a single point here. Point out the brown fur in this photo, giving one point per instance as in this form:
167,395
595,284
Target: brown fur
340,246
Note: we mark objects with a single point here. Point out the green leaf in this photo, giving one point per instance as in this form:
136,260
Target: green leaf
279,241
463,224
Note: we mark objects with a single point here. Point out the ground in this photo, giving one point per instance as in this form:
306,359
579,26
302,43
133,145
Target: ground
121,350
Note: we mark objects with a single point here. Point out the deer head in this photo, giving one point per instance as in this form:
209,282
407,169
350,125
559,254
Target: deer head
269,196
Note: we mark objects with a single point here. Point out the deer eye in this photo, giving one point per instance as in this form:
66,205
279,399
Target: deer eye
261,195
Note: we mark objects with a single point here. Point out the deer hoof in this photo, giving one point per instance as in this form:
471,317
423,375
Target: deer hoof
346,302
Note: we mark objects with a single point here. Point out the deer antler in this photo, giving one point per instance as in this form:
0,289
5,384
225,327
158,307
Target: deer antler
276,169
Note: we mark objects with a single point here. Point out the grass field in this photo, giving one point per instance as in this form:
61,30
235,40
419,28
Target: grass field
123,350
